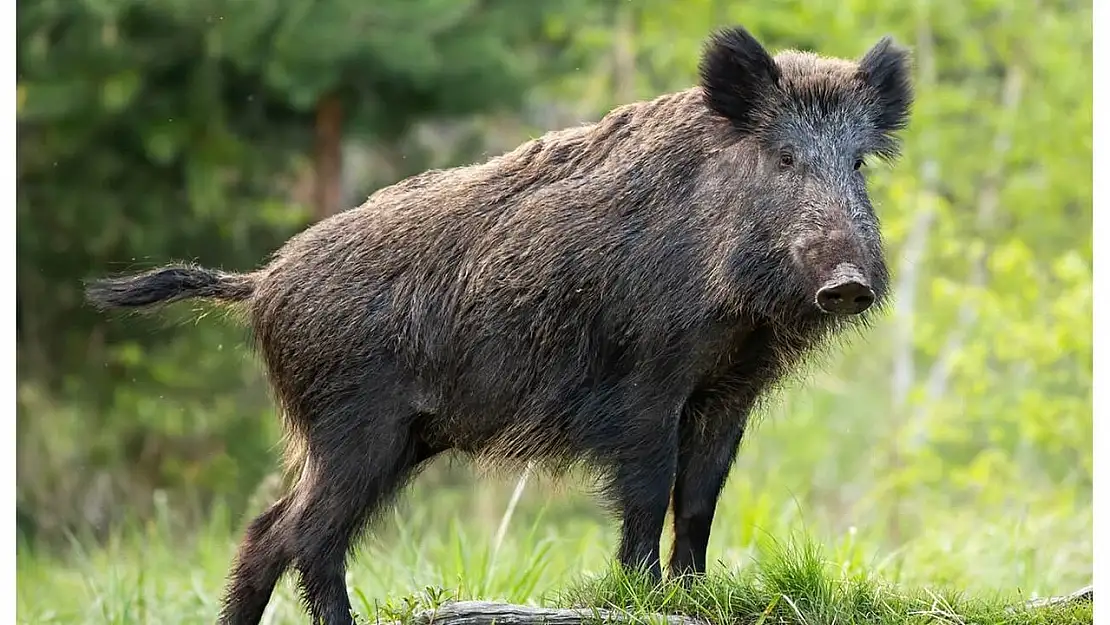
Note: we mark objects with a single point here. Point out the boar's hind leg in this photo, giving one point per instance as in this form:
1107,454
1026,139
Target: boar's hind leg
261,560
641,485
706,452
357,462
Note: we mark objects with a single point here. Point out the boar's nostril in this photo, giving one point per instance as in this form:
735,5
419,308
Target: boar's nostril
848,297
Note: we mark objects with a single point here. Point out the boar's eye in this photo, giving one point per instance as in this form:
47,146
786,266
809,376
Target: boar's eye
786,160
858,165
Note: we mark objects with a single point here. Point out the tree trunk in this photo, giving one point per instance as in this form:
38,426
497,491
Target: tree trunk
328,158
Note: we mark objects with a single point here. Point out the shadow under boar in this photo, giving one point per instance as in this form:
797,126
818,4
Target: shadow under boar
617,295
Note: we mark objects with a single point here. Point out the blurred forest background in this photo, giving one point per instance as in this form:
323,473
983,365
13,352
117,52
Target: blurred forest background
952,445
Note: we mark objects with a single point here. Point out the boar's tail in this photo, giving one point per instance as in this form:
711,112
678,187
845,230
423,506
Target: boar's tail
168,284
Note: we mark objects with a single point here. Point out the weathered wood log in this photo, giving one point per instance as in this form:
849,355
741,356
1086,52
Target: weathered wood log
1086,594
491,613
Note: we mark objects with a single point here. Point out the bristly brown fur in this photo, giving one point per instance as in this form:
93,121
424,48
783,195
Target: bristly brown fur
619,295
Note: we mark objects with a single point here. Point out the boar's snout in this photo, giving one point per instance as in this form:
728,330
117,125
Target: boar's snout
831,259
846,293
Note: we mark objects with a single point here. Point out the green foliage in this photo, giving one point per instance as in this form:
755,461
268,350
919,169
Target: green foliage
159,130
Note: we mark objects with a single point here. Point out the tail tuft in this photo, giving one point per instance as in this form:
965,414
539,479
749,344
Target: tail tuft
168,284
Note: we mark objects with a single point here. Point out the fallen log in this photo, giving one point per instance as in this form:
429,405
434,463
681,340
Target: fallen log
493,613
1086,594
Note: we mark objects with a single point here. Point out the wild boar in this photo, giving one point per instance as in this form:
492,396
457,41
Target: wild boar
616,295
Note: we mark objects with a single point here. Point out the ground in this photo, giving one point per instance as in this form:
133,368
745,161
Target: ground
774,560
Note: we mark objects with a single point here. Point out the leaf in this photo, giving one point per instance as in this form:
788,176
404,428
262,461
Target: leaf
119,90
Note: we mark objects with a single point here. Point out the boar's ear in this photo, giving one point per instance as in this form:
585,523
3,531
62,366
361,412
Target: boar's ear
737,76
886,69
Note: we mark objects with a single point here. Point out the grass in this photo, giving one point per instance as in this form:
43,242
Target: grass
791,583
771,566
795,583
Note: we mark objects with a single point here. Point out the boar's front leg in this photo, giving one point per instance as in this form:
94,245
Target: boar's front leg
645,462
707,448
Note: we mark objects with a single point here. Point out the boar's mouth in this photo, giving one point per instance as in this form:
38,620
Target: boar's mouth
846,292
